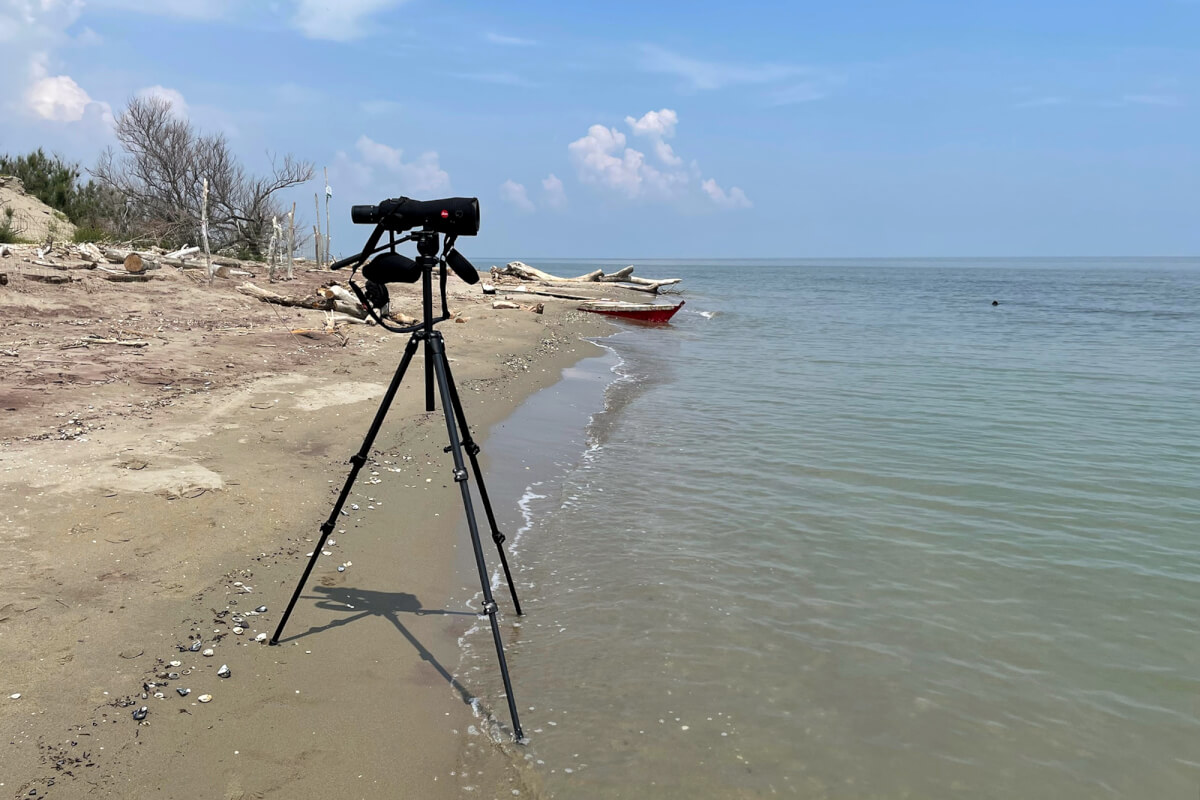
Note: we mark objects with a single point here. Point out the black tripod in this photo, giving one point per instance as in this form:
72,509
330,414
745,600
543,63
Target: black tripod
393,267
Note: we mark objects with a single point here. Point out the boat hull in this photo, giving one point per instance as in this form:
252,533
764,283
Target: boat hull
639,312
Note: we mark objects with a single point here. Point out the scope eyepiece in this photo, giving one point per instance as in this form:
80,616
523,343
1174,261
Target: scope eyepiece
451,215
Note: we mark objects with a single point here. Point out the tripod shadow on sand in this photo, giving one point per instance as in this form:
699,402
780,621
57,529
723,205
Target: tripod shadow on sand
363,603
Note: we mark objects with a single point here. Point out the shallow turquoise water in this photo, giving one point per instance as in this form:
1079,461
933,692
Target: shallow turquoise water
848,530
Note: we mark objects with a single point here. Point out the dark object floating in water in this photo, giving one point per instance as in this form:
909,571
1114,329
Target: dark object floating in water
995,302
642,312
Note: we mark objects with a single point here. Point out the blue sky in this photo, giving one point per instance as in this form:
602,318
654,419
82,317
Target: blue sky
671,129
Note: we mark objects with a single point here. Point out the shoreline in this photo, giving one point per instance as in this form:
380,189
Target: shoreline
126,542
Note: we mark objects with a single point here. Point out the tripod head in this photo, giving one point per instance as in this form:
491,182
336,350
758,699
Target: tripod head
439,218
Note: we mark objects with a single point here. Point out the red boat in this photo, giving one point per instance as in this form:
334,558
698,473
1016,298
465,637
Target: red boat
642,312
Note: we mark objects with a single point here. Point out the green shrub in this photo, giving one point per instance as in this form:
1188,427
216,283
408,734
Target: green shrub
90,233
56,183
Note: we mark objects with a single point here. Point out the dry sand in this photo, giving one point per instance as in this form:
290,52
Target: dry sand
140,486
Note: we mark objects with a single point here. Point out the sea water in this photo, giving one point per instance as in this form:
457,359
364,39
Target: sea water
849,529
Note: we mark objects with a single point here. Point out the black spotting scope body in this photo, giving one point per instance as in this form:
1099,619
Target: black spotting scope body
453,215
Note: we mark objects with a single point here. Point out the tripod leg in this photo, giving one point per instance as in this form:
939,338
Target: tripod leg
473,453
356,462
460,477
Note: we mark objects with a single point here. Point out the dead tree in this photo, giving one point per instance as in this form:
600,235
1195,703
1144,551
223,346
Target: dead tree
161,173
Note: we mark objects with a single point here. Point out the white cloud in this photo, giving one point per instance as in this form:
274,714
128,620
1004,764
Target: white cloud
556,197
707,75
88,38
399,177
657,126
184,9
603,158
511,41
654,123
172,96
734,198
339,20
515,193
59,98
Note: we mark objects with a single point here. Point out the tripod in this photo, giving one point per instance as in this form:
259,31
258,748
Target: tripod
437,370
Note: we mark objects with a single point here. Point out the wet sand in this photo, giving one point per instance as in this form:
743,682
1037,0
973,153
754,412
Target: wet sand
124,545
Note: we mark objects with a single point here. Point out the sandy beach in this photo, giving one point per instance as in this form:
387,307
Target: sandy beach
149,494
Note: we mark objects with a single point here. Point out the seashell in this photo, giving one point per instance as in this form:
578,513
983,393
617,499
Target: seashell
195,646
341,568
183,692
261,609
208,652
224,672
238,631
173,676
187,672
204,698
16,696
237,619
331,542
354,506
326,553
141,713
262,637
237,583
159,695
174,663
148,686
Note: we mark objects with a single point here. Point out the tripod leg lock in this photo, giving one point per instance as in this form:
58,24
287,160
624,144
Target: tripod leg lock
468,445
498,537
358,459
460,475
327,527
490,607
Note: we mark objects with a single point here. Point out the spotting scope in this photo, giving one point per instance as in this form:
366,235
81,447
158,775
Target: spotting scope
453,215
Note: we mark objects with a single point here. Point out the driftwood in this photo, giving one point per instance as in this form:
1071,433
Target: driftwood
319,303
545,293
649,286
528,273
126,277
618,276
623,277
134,263
183,253
34,276
505,304
343,300
122,342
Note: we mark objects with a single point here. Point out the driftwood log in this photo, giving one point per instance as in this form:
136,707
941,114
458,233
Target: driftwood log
318,303
622,274
623,277
527,273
